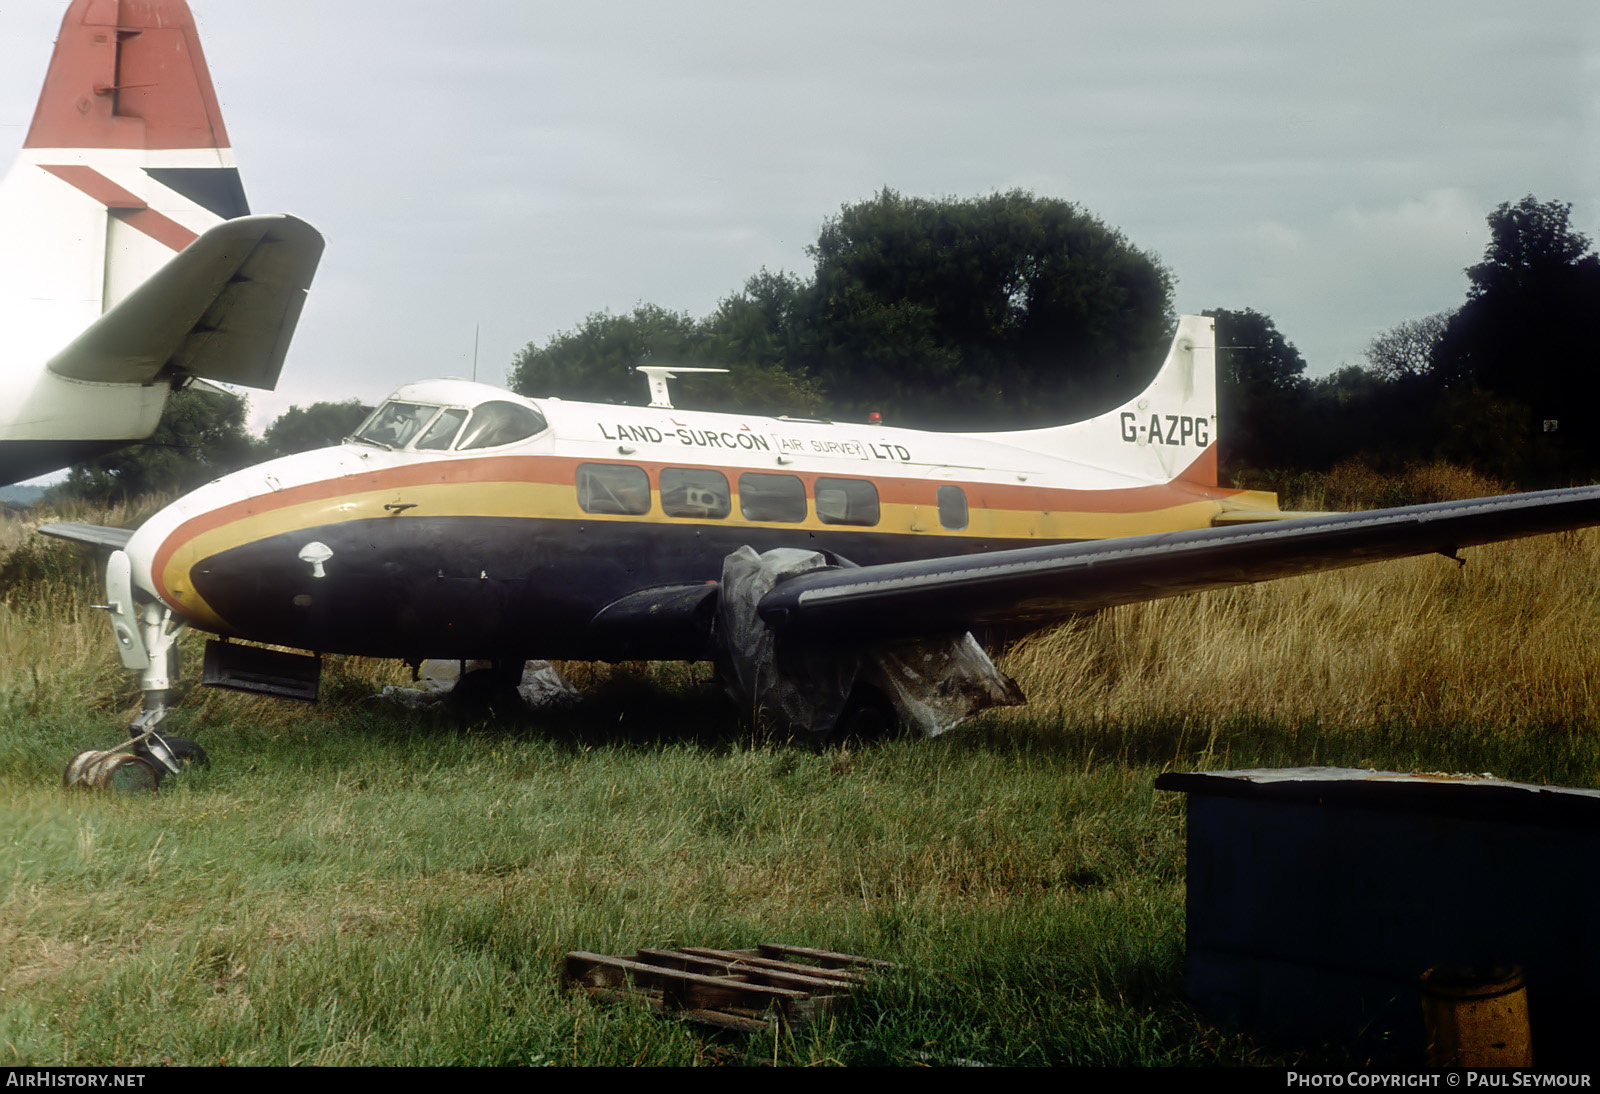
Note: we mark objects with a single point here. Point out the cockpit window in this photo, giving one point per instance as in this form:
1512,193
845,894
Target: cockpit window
497,422
442,431
393,424
488,425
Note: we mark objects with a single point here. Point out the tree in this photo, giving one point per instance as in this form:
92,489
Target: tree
1001,311
593,362
316,426
1530,243
1525,336
755,334
201,436
747,335
997,312
1407,349
1261,393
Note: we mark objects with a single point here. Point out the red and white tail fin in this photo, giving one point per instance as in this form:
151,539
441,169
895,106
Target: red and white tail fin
1166,432
126,164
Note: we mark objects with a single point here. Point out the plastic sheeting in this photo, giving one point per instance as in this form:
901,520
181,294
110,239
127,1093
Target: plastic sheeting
936,684
805,687
541,687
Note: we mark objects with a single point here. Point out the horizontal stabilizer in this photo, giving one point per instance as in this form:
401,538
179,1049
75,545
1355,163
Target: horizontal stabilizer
224,309
1039,584
95,535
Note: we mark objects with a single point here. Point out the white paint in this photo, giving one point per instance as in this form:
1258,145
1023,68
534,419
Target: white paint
316,552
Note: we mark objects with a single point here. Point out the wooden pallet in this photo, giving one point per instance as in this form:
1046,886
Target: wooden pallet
742,990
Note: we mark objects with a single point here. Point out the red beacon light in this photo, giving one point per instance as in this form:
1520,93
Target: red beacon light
874,418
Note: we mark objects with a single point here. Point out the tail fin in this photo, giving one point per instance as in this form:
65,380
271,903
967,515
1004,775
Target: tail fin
126,163
1168,431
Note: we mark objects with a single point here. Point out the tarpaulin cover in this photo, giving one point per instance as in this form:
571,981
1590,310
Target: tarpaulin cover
804,686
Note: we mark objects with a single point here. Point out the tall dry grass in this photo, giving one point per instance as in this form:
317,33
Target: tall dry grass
47,625
55,646
1510,638
1356,484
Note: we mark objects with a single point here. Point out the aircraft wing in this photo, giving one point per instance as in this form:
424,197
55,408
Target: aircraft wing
95,535
224,308
1039,584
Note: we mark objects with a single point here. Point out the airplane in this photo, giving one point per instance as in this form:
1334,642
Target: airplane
461,521
132,266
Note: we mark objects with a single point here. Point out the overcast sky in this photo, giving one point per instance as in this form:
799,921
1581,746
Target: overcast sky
519,165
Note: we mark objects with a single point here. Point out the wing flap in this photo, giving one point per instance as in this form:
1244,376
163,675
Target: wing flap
225,308
1039,584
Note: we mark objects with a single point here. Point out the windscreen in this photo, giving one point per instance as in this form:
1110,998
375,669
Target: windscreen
394,423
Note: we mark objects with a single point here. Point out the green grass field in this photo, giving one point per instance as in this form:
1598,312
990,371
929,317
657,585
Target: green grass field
356,884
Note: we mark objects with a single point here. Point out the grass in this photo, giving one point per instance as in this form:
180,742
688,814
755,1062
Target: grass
347,893
352,883
1419,660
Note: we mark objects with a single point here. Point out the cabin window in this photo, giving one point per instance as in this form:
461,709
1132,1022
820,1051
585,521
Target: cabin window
437,437
393,424
694,493
610,488
498,422
952,508
772,497
846,501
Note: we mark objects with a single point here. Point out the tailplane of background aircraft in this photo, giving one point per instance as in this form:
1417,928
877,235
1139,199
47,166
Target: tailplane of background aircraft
126,165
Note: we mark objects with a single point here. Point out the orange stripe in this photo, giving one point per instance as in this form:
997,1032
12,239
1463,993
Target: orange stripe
560,470
96,185
125,205
158,226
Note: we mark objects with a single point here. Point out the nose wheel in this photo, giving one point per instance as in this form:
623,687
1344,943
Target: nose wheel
137,766
171,754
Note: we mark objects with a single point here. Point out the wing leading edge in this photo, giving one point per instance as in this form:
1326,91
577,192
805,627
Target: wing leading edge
1036,585
94,535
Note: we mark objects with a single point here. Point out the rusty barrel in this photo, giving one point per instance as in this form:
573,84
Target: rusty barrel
1476,1017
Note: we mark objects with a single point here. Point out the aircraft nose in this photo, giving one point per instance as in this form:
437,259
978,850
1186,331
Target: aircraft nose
141,554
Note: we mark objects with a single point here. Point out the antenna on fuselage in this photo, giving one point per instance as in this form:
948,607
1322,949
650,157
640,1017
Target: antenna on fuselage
660,397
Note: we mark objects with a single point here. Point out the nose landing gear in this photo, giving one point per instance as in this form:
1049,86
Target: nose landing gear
148,644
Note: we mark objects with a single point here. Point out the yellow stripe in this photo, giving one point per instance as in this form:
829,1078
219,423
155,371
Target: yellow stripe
553,501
